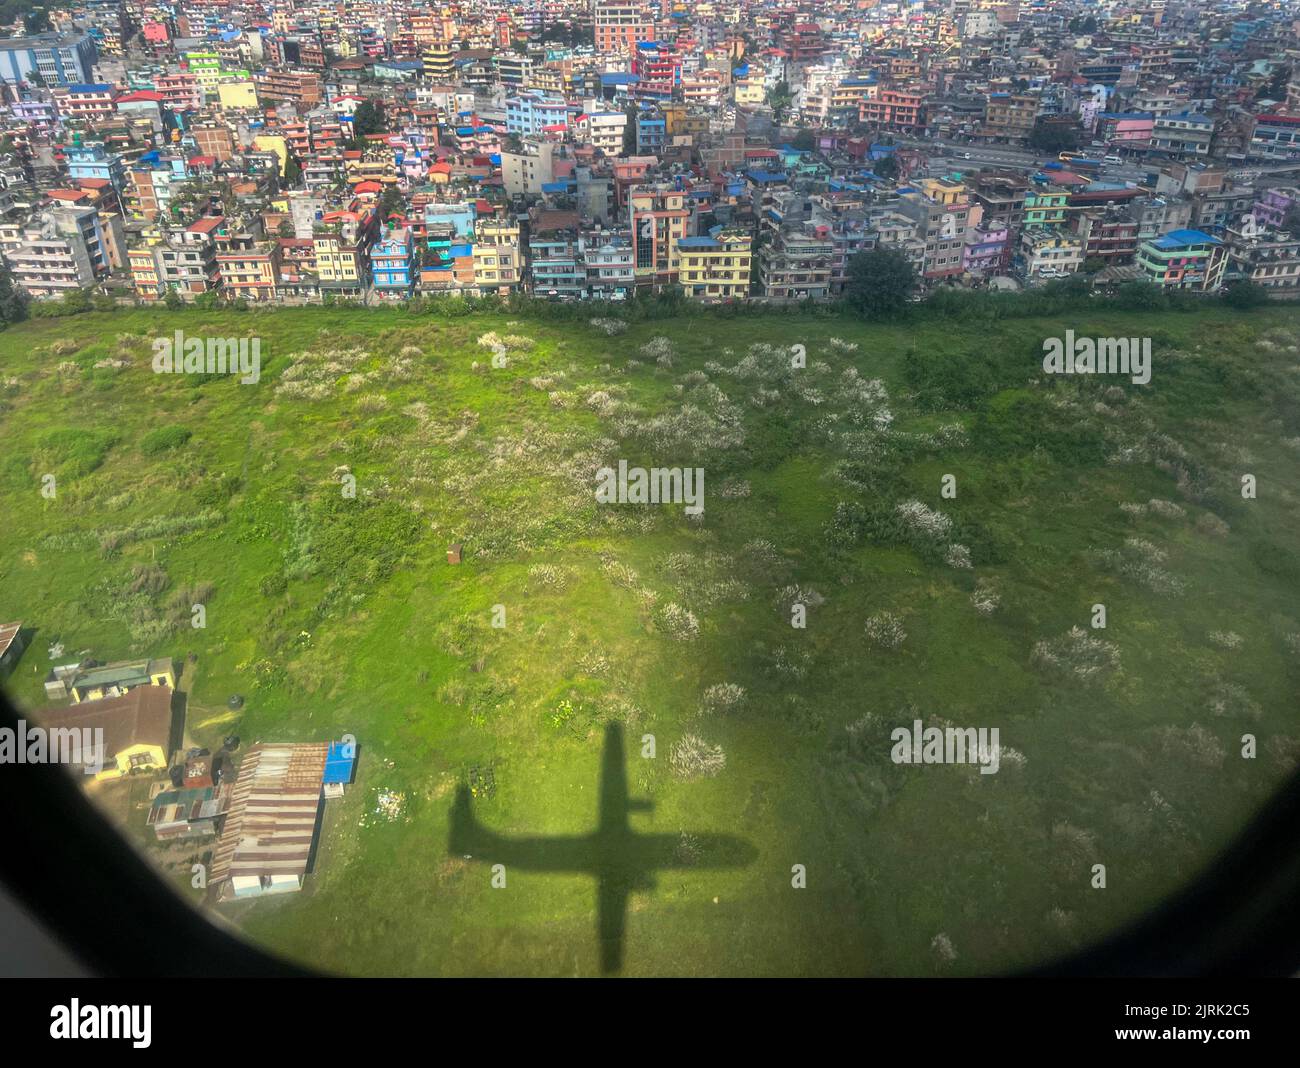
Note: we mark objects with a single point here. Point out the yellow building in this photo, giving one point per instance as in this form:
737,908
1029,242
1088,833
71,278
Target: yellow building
716,267
273,143
117,736
110,680
498,262
945,191
237,94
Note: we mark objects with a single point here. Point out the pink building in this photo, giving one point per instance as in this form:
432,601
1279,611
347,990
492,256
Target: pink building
1132,128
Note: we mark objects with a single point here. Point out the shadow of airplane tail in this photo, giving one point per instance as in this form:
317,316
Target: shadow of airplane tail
466,832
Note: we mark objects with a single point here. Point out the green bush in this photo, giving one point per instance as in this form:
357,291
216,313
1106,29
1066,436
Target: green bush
164,439
74,452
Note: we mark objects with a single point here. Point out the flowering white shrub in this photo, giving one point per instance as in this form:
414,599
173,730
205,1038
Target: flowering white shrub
957,556
941,946
691,757
722,697
1077,654
923,521
1166,509
789,596
1226,639
658,348
886,630
679,623
609,327
984,599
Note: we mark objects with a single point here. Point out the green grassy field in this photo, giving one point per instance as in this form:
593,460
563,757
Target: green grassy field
333,614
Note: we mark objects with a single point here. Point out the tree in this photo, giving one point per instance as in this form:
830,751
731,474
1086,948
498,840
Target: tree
292,172
391,202
1243,294
779,99
886,167
13,301
880,283
629,130
804,140
367,119
1053,137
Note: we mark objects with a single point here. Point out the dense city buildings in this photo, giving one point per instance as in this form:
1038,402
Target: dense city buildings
596,151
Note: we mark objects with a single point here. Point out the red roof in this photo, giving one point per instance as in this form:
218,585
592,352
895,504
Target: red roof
205,225
140,95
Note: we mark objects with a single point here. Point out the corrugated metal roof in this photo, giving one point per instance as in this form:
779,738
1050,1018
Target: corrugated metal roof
272,819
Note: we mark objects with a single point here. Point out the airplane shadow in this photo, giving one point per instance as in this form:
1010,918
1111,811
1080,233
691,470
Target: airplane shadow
621,860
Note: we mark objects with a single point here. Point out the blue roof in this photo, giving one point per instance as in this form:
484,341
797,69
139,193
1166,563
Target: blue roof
460,250
763,177
1175,238
618,78
338,767
696,242
90,87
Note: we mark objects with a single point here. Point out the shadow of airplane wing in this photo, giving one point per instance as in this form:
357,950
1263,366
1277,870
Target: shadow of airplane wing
663,852
468,837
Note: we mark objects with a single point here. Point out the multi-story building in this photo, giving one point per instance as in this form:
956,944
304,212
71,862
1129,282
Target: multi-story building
1183,134
602,130
987,250
716,266
1110,235
498,258
1276,136
62,251
554,260
297,86
94,163
894,109
1183,259
531,113
186,260
796,264
658,217
48,59
1044,254
341,240
1010,115
1274,206
1045,206
621,25
392,259
607,257
1271,260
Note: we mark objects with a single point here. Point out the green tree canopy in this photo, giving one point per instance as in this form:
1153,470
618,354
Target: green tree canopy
880,283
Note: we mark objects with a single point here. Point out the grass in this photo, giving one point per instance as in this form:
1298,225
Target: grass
332,613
